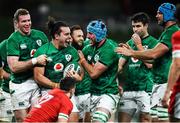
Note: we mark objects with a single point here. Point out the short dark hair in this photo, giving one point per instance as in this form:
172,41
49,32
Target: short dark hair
75,27
67,83
20,12
140,17
54,27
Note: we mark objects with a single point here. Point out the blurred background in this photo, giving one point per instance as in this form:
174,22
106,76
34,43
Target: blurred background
115,13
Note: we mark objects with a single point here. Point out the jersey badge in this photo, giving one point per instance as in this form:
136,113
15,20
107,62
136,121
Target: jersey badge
134,59
39,42
89,58
32,52
58,67
96,58
145,47
68,57
23,46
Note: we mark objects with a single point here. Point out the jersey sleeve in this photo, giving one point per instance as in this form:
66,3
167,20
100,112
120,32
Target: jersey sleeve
107,57
166,39
130,43
176,44
66,109
44,38
12,47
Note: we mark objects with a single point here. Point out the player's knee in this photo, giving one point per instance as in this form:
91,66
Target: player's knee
100,116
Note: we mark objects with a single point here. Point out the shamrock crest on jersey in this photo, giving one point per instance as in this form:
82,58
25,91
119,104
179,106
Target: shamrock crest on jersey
68,57
58,67
39,42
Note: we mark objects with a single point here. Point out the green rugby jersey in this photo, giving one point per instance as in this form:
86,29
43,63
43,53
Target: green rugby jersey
106,82
24,46
137,76
162,64
3,54
57,60
83,87
86,42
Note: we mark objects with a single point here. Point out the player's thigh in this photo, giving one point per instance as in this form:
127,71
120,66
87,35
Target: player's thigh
24,94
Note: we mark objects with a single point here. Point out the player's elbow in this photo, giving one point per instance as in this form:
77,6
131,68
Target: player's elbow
13,68
154,56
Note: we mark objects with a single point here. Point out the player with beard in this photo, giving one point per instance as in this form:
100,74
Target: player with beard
174,77
162,56
59,54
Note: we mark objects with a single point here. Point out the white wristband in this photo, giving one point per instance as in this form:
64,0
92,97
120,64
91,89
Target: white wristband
34,61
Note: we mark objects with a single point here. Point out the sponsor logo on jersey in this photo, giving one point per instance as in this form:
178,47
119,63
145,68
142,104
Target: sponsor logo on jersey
49,59
89,58
96,58
32,52
134,59
145,47
23,46
39,42
58,67
68,57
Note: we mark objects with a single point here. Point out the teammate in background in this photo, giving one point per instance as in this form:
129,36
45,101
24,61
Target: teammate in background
54,106
101,63
6,105
82,91
161,54
1,81
59,54
138,81
77,37
174,77
21,46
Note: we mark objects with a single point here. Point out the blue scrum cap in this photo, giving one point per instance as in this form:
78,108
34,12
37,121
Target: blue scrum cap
168,11
98,28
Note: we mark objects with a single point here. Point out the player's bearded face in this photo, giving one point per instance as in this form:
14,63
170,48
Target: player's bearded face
65,37
24,24
91,36
78,37
159,17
